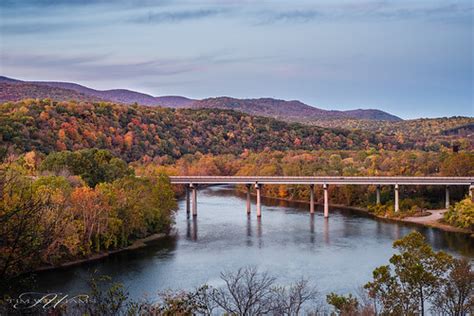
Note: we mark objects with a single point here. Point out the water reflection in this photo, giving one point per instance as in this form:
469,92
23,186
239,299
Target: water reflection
326,231
192,228
259,232
249,240
194,235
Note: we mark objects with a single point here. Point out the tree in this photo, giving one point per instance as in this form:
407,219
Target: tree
456,296
24,231
291,300
246,292
461,214
458,165
93,165
250,292
344,305
414,277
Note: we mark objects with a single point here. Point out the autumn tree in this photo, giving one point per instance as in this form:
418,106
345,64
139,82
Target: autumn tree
93,165
456,295
413,277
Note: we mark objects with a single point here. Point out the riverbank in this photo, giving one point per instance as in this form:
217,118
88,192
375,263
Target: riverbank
137,244
434,221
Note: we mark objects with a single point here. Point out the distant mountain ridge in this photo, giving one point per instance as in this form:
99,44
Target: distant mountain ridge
294,110
289,110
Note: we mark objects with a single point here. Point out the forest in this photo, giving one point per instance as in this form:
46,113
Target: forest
425,134
71,206
144,133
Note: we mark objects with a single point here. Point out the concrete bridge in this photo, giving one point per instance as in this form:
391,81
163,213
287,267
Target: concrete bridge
192,182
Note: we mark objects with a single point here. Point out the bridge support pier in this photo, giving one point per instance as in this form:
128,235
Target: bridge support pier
447,197
397,206
326,201
188,202
311,199
194,197
248,198
471,192
377,193
259,204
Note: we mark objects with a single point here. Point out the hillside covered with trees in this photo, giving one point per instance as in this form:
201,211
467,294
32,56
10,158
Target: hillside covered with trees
139,132
429,134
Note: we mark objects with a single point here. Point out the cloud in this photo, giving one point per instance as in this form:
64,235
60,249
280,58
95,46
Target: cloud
39,27
176,16
295,16
54,3
401,10
365,10
97,66
106,67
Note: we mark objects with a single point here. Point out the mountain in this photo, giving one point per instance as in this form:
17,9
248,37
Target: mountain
15,90
174,101
116,95
288,110
371,114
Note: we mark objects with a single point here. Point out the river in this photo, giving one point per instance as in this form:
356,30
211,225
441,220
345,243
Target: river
337,254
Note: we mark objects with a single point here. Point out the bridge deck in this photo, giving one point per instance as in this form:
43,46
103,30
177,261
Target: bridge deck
322,180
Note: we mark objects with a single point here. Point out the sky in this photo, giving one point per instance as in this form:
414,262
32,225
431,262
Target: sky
410,58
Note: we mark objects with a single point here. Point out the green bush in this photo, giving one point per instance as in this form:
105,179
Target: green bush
461,214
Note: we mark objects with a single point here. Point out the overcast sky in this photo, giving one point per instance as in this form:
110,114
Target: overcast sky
410,58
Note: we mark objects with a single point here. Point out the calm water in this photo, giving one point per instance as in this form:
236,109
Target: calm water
338,254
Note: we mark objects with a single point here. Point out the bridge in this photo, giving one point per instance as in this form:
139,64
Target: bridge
192,182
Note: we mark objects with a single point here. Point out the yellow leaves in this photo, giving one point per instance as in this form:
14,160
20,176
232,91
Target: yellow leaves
282,191
128,139
31,160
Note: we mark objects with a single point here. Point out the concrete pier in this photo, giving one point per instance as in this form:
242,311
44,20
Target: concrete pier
188,201
248,199
397,205
194,198
259,204
447,197
377,193
326,201
311,199
471,192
